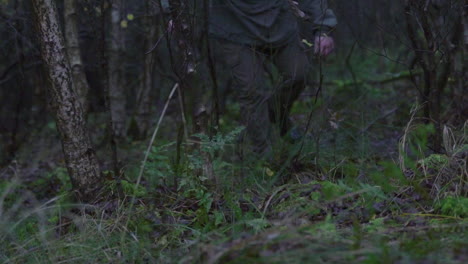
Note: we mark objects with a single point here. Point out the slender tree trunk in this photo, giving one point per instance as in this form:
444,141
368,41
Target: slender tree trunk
79,155
74,54
105,85
144,100
117,97
184,32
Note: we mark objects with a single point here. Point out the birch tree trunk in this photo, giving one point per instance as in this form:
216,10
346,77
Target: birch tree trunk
117,98
80,157
80,84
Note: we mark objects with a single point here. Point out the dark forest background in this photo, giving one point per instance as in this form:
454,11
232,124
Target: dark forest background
380,174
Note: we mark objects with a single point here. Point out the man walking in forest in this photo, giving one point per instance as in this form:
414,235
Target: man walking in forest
250,31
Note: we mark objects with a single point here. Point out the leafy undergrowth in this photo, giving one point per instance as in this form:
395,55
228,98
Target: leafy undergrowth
361,187
316,222
387,213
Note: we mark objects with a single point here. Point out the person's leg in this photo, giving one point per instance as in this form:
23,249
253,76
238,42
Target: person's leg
293,63
246,67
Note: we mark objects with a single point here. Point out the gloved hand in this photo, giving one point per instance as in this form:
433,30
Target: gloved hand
324,45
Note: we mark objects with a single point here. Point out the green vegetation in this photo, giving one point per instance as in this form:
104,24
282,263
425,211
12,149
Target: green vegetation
143,163
348,195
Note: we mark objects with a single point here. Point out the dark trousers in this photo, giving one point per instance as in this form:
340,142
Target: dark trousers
263,104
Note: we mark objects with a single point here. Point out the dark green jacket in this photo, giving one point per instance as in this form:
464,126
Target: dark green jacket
266,22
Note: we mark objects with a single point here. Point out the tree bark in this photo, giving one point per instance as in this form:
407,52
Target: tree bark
184,33
80,83
117,99
80,158
143,111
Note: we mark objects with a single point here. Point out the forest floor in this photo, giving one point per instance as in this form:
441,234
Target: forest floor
360,187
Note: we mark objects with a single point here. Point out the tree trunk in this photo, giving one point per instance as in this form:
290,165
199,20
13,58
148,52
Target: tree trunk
184,33
143,111
79,155
80,84
117,97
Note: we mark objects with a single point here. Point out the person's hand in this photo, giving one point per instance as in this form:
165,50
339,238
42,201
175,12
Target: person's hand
324,45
